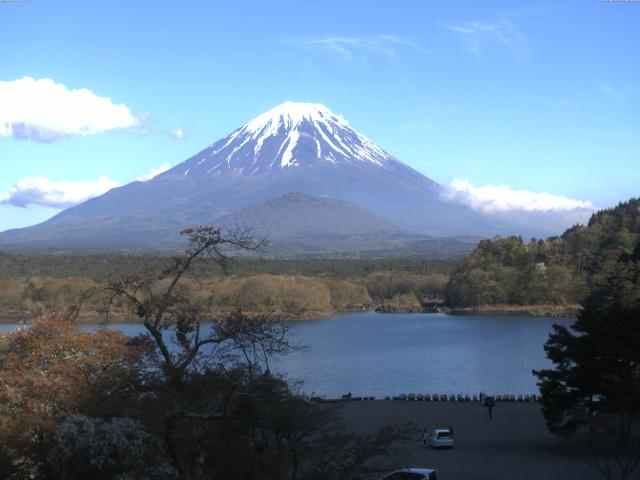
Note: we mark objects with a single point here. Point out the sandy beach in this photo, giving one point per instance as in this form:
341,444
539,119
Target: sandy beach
514,444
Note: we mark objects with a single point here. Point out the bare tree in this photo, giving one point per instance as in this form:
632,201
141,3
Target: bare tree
190,342
208,394
166,309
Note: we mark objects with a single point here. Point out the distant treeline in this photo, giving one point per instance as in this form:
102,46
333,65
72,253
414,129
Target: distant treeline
500,273
99,267
31,284
558,271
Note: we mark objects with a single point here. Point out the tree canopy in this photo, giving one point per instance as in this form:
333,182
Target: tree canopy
559,270
594,386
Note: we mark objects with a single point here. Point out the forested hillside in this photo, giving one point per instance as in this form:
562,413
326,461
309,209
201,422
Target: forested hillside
558,271
32,284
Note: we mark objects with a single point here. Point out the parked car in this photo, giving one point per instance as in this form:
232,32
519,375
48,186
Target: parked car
413,473
441,438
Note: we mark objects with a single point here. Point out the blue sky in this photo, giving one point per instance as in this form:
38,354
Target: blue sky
535,97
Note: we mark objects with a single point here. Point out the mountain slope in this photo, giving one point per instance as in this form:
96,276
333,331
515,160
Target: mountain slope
297,147
296,215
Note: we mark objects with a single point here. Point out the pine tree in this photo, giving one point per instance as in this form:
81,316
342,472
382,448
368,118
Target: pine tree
594,388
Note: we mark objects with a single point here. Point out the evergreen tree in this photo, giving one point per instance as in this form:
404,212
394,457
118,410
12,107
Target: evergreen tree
595,385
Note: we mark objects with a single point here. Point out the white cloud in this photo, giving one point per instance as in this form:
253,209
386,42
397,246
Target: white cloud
64,193
178,133
153,172
474,35
60,194
502,198
44,111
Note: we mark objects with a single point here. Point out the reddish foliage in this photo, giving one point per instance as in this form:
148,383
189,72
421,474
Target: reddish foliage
54,369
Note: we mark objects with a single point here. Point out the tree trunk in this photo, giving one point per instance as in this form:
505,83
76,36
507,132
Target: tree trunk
295,463
171,447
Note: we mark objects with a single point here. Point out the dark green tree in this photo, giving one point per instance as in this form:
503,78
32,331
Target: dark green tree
594,389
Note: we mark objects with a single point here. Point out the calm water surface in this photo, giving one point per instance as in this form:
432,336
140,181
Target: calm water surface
387,354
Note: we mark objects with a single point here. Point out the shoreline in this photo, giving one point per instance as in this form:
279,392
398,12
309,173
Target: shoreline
558,311
545,310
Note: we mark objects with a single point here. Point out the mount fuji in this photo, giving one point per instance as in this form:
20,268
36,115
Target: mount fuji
294,147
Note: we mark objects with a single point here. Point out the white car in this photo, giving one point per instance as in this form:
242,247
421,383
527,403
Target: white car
441,438
413,473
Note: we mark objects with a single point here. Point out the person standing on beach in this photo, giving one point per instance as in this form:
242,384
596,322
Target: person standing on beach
490,402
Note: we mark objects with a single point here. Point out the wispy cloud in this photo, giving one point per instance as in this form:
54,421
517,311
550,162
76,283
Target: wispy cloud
503,198
145,126
154,172
551,101
418,125
60,194
474,36
349,47
45,111
610,91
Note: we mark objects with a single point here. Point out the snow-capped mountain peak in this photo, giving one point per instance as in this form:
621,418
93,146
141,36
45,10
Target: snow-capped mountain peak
291,115
289,136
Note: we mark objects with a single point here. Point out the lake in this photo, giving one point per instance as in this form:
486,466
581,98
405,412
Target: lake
368,353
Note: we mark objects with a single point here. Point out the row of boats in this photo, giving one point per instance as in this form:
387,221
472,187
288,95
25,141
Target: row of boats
442,397
426,397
